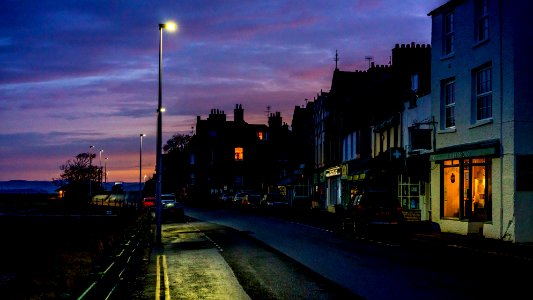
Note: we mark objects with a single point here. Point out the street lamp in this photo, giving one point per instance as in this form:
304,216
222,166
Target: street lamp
90,170
140,165
159,145
100,170
105,169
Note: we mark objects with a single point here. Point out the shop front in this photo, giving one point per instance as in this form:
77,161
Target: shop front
333,186
413,188
465,174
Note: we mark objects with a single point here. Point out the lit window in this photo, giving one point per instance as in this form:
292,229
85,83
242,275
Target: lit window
448,95
260,135
239,153
472,201
449,34
482,20
484,94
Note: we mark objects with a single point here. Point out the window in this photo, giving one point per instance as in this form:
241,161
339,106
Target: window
450,182
448,94
260,135
482,20
449,34
414,90
474,200
239,153
411,192
483,93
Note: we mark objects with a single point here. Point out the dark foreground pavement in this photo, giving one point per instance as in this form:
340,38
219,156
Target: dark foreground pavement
198,260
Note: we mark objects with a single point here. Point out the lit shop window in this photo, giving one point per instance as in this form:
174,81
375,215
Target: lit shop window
474,200
239,153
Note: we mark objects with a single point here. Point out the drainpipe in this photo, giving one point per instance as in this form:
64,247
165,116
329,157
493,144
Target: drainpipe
501,120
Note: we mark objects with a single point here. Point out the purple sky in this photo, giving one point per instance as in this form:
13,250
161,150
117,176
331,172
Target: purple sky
81,73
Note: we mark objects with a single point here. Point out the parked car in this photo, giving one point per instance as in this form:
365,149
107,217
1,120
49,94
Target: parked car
171,210
375,209
240,198
226,198
148,202
253,199
274,200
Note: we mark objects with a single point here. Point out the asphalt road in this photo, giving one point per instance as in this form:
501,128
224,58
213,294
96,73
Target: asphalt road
272,258
208,261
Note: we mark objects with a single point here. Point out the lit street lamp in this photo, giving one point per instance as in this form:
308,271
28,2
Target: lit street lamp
140,166
159,144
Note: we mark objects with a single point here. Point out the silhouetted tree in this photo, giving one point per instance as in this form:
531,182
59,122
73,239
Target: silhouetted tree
77,175
174,162
177,144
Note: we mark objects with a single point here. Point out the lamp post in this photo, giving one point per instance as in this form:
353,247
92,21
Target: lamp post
159,144
90,170
100,169
105,169
141,165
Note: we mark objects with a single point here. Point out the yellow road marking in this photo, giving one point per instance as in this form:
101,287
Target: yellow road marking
157,279
161,262
165,274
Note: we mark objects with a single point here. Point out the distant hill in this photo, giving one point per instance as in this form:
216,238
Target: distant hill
49,187
27,187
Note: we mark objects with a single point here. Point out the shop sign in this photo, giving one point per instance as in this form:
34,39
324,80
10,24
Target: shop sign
462,154
412,215
335,171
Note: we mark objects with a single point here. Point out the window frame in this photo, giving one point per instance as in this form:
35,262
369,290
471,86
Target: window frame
464,168
483,93
482,22
448,43
448,102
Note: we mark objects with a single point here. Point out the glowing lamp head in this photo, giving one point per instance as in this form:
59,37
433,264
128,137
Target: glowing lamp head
170,26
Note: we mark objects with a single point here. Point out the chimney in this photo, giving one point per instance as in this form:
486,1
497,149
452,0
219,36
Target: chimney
238,114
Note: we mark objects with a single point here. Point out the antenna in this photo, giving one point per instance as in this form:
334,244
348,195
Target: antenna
268,110
369,59
336,59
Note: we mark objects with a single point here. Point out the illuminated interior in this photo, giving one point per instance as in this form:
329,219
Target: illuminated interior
239,153
471,175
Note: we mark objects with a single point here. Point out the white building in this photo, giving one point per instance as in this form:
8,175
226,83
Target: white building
482,167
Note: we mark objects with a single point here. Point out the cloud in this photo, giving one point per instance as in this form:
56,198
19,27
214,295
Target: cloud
74,73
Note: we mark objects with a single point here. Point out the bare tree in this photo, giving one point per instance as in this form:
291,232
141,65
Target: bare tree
77,175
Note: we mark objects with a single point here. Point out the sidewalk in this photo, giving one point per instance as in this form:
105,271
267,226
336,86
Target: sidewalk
428,234
476,244
188,265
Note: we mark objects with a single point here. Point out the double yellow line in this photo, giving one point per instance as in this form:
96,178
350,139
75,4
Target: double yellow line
161,263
